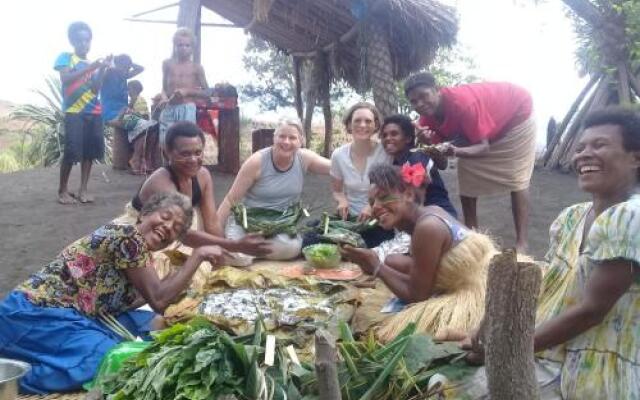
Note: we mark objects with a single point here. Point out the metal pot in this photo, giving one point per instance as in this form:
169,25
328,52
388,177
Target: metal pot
10,372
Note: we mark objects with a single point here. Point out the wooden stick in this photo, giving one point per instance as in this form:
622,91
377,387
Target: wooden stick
326,368
512,292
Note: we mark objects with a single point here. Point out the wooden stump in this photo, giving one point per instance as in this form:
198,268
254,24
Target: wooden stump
120,149
228,141
326,366
261,138
512,293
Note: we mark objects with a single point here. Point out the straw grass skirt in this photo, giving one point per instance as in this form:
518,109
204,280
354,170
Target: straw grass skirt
460,286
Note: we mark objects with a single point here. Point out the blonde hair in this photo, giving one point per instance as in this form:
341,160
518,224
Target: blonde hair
182,33
294,123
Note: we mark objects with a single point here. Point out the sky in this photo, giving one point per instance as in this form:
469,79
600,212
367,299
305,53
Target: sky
509,40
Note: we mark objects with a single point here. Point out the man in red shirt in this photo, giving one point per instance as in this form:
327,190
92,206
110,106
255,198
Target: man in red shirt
490,128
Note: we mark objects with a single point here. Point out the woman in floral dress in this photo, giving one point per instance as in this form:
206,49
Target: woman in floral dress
587,337
52,320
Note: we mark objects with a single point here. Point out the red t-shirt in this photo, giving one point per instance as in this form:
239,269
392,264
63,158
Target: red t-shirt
480,111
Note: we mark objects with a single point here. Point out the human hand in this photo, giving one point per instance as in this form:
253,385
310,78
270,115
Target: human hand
475,347
424,133
365,214
343,209
213,254
177,96
366,259
253,244
447,149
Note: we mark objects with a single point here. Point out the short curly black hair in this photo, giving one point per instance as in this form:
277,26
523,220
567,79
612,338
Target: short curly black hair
182,129
628,119
405,124
417,80
76,27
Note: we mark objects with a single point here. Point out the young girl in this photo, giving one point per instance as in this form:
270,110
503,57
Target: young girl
398,138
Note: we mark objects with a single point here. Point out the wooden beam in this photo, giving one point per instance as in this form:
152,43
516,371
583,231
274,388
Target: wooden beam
189,16
298,86
161,21
154,10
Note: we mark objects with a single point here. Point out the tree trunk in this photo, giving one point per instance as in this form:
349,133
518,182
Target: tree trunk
559,151
189,14
586,10
512,293
380,71
326,368
624,93
567,119
298,87
328,123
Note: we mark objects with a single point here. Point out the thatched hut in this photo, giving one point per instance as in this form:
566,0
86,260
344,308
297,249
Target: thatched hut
369,43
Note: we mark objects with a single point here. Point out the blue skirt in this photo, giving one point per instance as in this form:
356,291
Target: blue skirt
63,346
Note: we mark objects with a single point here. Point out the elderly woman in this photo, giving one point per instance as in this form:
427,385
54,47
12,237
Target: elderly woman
443,276
350,165
490,129
52,321
184,173
273,178
588,324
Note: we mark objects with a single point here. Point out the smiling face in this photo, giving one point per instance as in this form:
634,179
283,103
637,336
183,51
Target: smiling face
185,155
363,124
162,227
603,164
390,207
286,140
393,139
425,100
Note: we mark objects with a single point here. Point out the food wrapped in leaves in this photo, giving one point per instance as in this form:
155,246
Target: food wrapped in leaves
269,222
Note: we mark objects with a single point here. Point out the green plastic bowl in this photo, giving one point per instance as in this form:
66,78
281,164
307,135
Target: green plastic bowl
322,255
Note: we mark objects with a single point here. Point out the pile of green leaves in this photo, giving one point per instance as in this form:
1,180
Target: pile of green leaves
269,222
400,369
197,361
339,231
322,255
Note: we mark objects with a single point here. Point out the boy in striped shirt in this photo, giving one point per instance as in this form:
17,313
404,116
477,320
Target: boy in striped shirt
84,136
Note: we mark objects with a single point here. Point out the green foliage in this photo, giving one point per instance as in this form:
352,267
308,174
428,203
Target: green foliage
44,125
596,52
273,85
269,222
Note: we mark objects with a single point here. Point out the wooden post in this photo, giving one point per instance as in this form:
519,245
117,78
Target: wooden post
228,141
189,16
512,293
326,368
298,99
120,149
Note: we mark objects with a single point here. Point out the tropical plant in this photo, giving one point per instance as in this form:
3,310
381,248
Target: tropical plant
44,124
44,127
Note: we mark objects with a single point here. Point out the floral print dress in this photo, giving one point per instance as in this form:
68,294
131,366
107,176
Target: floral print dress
88,274
604,361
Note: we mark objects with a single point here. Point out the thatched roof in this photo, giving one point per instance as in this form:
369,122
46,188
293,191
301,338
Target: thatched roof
415,28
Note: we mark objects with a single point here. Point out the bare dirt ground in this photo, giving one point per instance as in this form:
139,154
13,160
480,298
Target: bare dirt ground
34,227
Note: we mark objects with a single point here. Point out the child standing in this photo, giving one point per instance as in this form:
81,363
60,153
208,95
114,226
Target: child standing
183,83
84,137
113,94
136,124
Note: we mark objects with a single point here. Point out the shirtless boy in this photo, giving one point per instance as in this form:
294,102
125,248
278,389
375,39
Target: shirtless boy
183,83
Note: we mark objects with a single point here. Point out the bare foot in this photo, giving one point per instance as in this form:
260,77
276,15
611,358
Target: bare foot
522,248
66,198
83,197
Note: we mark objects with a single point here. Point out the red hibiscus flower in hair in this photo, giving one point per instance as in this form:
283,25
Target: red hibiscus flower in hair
413,175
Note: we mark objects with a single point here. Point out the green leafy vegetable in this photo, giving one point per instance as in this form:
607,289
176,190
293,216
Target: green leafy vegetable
269,222
322,255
